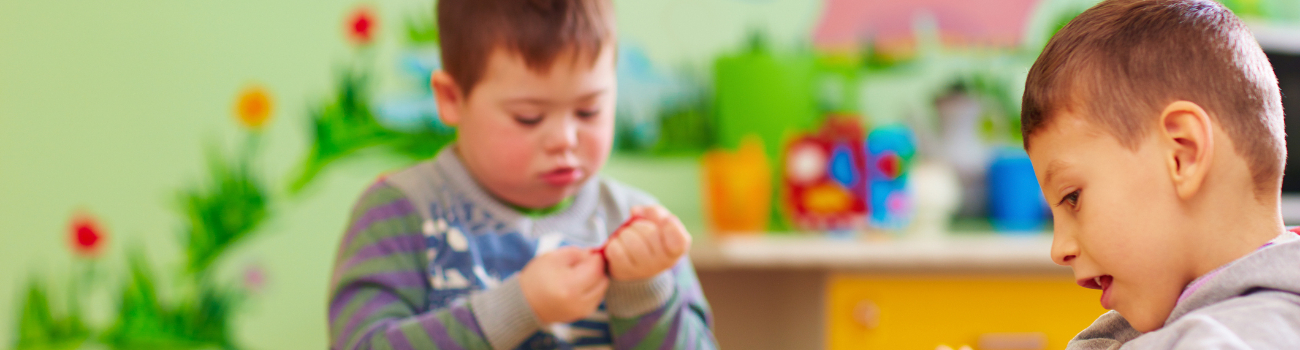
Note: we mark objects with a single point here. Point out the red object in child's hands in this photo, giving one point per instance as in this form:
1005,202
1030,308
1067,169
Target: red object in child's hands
614,234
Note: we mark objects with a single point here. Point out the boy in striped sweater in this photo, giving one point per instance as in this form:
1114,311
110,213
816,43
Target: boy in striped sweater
506,239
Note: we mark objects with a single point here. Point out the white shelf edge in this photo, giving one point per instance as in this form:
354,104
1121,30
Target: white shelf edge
962,252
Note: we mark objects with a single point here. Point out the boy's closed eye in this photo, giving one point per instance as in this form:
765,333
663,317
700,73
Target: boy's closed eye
532,120
587,113
529,120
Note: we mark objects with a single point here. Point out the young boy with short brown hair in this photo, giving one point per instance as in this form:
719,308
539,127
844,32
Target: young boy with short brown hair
1155,128
493,243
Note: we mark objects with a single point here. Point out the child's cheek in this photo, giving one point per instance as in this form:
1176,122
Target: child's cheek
596,141
504,151
520,148
514,145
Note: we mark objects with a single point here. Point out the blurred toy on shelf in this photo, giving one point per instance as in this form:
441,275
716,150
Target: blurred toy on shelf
890,152
1016,203
825,182
962,146
761,93
738,188
936,193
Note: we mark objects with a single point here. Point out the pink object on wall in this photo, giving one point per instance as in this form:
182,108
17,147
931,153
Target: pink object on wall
845,24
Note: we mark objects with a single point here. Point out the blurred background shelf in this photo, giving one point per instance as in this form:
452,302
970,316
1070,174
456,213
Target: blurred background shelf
816,291
965,252
1277,37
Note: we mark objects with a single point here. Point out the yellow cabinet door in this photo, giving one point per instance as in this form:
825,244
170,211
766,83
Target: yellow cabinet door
900,312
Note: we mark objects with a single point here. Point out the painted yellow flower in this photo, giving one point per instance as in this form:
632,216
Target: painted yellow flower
253,107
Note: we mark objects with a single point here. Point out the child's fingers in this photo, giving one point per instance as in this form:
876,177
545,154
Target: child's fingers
638,210
568,256
631,249
648,233
589,271
595,291
655,213
618,257
633,241
589,257
675,238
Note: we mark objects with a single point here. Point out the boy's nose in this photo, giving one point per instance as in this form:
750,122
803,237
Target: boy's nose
563,136
1064,248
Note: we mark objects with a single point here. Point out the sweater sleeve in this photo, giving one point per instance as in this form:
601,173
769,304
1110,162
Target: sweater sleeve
380,285
666,312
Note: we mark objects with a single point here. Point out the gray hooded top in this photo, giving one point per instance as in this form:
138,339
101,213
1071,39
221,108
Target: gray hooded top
1250,303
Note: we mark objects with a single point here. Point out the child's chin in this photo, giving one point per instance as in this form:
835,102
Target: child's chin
557,194
563,190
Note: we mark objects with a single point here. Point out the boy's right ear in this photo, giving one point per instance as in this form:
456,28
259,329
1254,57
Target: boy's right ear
449,97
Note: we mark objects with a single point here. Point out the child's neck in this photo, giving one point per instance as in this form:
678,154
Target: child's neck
1233,226
539,212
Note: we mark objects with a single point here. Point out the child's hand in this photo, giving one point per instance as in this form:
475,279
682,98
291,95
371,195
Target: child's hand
564,285
647,247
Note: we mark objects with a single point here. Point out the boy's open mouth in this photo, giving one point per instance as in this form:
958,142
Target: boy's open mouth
1099,282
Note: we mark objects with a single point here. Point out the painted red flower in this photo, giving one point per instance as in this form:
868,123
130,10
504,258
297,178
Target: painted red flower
86,235
361,25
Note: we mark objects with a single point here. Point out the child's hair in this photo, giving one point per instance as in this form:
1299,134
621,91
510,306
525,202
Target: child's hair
537,30
1122,61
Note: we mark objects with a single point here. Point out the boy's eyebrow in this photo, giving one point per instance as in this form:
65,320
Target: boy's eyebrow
593,94
537,101
1053,168
526,101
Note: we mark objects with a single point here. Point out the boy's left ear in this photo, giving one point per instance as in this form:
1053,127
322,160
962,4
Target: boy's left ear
1189,136
449,97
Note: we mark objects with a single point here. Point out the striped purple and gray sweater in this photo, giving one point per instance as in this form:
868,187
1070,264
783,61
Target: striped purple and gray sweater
430,261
